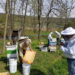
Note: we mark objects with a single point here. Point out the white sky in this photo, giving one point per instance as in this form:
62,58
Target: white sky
72,13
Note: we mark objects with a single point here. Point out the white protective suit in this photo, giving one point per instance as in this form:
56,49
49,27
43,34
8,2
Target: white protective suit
69,49
50,36
58,35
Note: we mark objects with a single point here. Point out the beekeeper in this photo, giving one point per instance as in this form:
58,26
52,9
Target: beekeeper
58,36
50,38
69,48
23,45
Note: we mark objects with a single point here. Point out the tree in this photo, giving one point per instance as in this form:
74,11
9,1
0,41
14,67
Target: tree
47,16
23,1
40,3
5,26
10,19
47,11
63,9
34,10
25,17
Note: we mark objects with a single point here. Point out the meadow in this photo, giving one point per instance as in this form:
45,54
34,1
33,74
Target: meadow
45,63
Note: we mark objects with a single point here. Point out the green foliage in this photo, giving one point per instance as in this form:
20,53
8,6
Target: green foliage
2,19
71,24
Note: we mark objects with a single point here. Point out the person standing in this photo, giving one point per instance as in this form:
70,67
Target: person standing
50,38
69,48
58,36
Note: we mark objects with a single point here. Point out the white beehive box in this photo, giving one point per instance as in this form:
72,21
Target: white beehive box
45,49
53,40
12,52
52,48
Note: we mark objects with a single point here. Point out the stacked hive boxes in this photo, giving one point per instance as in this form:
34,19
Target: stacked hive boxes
53,45
12,52
42,47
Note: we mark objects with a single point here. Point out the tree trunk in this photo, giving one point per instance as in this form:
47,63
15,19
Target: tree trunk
14,12
25,18
10,20
5,26
22,14
39,17
34,21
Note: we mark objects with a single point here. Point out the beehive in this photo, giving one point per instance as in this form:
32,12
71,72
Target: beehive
52,48
45,49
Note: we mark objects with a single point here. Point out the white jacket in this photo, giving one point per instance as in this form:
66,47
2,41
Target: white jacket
58,35
50,35
69,50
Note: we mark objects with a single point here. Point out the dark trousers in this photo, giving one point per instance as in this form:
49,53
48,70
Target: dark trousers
58,41
71,66
20,59
49,42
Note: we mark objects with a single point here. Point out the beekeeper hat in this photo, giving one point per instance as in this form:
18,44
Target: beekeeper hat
29,40
51,32
22,37
68,31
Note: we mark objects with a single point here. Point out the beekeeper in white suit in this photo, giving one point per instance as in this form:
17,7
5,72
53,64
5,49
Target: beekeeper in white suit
50,38
69,48
58,36
23,45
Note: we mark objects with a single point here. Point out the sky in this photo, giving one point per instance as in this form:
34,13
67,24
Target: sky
72,15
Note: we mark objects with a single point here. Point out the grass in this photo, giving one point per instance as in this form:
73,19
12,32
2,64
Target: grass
45,63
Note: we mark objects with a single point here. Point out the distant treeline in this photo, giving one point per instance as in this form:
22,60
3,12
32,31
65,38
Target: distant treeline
30,20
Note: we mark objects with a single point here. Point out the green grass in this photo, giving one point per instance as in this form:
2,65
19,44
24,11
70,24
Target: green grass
45,63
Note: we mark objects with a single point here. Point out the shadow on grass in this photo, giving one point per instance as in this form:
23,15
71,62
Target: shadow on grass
36,72
4,59
46,45
37,48
7,68
19,67
51,71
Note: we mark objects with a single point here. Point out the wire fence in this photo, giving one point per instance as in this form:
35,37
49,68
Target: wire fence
25,36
